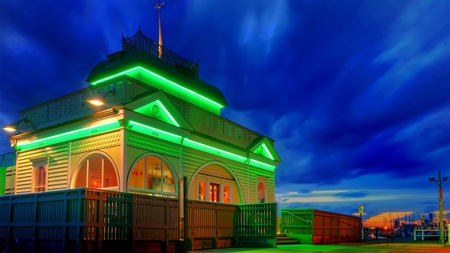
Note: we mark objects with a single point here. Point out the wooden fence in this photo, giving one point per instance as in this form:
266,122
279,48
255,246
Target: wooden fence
211,225
92,220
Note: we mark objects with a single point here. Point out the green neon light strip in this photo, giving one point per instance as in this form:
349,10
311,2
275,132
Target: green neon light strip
267,151
171,118
261,164
213,150
68,136
160,77
151,131
115,75
148,130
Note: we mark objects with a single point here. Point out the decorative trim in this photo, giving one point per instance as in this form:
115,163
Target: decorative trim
95,143
152,145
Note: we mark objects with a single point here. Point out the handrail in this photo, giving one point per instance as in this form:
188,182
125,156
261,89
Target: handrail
423,235
295,216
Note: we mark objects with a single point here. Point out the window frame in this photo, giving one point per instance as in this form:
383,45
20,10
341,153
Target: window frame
86,161
36,164
263,181
144,190
208,180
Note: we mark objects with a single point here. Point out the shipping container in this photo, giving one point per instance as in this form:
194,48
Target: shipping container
310,226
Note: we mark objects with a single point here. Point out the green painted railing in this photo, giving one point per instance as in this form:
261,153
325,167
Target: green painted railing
256,225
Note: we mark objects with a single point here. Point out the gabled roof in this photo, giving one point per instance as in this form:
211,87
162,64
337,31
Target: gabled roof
264,147
159,106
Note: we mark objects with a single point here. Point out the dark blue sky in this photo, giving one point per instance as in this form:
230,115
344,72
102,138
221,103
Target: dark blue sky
355,93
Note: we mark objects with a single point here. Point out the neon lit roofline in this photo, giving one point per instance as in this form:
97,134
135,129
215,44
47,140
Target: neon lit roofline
172,119
114,75
267,151
158,76
71,134
155,129
261,163
216,151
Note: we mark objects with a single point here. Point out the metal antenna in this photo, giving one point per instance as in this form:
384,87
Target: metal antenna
158,6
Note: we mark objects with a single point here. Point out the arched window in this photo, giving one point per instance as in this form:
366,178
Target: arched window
261,192
96,171
39,176
151,175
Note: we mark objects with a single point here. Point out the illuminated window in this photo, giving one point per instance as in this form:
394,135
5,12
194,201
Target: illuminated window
261,193
201,191
39,177
262,189
214,192
152,175
226,194
96,171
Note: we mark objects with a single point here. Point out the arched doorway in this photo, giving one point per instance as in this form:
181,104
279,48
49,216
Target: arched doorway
215,182
95,170
152,175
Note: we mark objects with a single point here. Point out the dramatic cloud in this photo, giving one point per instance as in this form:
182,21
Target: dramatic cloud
356,94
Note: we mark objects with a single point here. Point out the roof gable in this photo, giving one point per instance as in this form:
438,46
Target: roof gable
159,106
263,147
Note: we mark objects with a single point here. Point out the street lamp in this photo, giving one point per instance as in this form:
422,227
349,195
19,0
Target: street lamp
441,215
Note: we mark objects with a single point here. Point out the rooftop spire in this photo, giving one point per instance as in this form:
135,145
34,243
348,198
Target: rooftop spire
158,6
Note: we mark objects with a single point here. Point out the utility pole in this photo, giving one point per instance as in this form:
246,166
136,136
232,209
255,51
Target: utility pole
441,215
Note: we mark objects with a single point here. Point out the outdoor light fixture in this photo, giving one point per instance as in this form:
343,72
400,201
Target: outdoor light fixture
13,127
100,99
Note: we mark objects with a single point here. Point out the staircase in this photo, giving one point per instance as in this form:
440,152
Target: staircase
282,239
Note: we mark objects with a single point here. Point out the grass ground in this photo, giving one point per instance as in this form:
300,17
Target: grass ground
398,245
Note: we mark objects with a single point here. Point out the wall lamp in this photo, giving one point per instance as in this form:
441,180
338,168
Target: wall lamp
100,99
13,127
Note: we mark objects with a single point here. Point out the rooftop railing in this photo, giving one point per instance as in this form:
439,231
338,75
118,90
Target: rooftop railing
140,41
